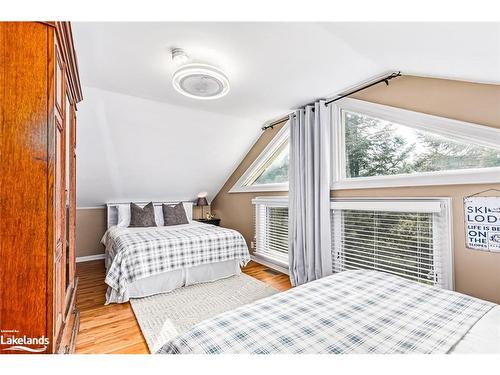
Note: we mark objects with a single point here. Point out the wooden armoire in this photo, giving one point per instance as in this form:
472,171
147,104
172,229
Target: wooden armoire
39,92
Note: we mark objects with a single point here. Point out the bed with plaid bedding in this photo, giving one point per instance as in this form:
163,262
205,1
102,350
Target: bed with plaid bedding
349,312
137,254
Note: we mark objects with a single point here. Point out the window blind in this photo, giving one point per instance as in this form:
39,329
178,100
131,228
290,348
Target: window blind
408,244
271,231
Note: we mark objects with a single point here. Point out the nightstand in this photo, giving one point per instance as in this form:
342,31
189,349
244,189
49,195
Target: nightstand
214,221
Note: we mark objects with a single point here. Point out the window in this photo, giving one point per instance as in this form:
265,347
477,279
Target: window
269,172
381,146
275,171
271,229
408,238
377,146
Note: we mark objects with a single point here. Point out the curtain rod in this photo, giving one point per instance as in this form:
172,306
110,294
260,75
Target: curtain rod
384,79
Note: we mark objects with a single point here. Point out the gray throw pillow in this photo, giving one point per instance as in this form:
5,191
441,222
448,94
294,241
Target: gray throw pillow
142,217
174,214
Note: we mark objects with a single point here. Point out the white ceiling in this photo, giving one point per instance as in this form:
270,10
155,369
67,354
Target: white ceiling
272,68
132,149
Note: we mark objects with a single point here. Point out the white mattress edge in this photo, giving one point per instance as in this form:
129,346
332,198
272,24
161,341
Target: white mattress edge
483,337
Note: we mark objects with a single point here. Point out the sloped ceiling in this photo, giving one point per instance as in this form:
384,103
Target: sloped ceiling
138,139
132,149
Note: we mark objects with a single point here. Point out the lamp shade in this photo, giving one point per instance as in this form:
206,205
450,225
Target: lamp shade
201,201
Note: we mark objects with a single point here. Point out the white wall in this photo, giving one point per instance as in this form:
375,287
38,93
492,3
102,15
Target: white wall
135,149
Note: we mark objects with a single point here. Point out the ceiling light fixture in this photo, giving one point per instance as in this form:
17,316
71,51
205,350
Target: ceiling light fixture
179,56
198,81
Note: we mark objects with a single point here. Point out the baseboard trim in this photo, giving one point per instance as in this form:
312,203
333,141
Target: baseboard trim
89,258
270,264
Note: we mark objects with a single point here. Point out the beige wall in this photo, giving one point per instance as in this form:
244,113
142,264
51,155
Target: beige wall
466,101
90,227
476,273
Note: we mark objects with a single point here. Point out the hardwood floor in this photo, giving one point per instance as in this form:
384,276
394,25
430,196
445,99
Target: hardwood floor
113,328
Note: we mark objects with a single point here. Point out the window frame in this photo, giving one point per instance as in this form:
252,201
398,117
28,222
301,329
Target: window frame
452,129
242,185
412,204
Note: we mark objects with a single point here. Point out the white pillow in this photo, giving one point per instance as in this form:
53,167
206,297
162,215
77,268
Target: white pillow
123,215
159,216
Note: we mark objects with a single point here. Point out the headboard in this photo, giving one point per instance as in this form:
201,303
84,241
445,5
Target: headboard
112,210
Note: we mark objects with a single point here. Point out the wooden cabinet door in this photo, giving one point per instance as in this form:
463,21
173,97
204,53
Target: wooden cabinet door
70,202
60,241
59,195
72,196
24,184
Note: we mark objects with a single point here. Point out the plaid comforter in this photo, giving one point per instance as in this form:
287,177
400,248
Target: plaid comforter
349,312
139,254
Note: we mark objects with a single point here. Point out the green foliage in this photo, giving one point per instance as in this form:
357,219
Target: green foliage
446,155
374,148
277,171
374,153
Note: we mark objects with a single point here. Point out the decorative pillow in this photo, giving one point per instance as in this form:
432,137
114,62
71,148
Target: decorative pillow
123,215
174,214
142,217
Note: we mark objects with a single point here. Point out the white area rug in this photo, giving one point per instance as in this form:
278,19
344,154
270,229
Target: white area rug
164,316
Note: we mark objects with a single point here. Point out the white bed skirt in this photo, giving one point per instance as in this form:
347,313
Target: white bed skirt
168,281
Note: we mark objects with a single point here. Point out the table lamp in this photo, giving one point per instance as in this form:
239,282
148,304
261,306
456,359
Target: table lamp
201,201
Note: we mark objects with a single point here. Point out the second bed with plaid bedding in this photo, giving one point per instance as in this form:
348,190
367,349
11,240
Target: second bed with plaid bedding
349,312
140,254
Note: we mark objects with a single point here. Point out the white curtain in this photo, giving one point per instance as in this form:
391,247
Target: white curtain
309,194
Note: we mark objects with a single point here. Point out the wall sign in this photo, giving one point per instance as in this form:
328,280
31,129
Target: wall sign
482,223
